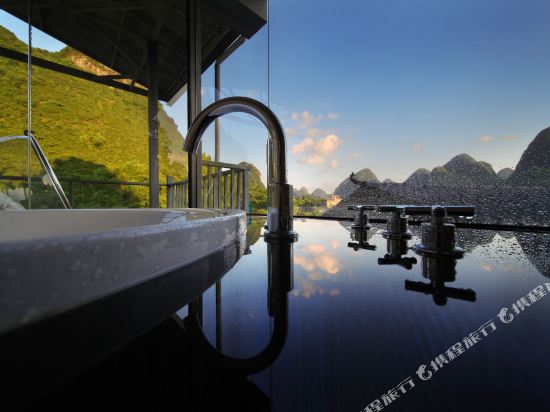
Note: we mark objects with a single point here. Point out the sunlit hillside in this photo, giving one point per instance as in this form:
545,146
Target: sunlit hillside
87,130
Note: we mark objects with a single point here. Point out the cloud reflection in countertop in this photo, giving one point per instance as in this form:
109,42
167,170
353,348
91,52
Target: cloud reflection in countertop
316,266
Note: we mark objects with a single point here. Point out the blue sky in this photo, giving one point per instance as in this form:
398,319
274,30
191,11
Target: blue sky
393,85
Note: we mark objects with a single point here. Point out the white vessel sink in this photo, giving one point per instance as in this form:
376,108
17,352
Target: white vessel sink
45,224
55,260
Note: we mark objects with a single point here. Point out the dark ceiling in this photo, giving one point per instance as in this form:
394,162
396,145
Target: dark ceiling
116,32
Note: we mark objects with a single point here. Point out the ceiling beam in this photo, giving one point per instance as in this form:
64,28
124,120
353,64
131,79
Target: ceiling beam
92,6
137,36
133,5
18,4
154,35
116,76
107,39
117,41
37,61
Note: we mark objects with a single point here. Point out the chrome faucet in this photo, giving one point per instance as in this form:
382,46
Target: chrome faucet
279,215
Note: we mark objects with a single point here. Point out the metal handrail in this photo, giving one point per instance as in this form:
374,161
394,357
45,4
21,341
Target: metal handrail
174,189
222,164
45,165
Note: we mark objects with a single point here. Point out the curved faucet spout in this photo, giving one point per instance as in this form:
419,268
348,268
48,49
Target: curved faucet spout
279,218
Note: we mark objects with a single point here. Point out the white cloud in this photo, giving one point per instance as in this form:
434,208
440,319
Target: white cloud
313,159
304,122
317,151
489,139
318,143
313,132
292,131
304,145
327,145
416,147
315,248
306,119
306,263
328,263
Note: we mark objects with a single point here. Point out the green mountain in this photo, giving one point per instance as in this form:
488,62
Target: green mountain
347,187
255,176
319,193
505,173
302,192
87,130
419,177
175,139
462,169
533,168
366,175
257,191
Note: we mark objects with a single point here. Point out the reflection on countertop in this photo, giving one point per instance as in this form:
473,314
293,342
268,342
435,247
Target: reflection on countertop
319,325
357,327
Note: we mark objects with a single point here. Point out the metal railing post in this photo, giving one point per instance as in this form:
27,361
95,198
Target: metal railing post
239,197
169,191
219,179
231,189
71,193
246,190
209,194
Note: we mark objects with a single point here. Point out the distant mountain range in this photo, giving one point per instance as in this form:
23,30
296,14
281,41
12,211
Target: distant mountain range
460,170
303,192
533,169
512,197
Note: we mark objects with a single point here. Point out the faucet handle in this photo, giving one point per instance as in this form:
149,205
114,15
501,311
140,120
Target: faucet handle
440,211
361,220
358,245
418,210
440,293
438,237
397,225
460,210
391,208
361,207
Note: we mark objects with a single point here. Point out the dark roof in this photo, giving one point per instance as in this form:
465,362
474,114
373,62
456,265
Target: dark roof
116,32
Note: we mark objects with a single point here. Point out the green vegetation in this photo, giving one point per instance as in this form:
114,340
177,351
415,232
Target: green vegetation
87,130
257,191
254,230
309,206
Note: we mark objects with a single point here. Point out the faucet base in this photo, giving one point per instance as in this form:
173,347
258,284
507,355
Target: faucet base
393,235
286,236
279,214
455,252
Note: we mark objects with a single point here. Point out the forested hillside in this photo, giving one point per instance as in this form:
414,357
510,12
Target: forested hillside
87,130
